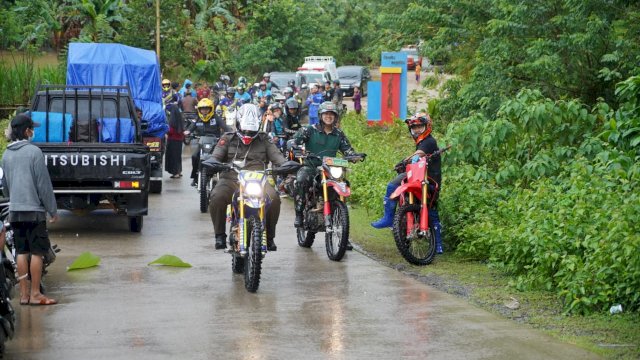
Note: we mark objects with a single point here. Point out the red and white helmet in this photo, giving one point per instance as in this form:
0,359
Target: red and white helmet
419,121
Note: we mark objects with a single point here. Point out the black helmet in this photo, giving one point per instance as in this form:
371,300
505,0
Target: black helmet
275,106
336,82
291,103
291,83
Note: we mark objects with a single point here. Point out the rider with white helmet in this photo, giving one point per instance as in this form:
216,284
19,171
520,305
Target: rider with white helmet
255,149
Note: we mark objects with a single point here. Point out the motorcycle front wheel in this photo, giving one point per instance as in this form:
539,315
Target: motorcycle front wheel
305,238
253,260
336,240
416,249
205,189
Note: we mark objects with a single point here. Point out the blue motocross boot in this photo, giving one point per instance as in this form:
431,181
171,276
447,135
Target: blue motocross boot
437,229
389,209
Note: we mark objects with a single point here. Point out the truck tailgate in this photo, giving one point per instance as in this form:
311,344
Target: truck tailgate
97,167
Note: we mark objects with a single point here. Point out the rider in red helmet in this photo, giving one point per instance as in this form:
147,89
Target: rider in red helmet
420,128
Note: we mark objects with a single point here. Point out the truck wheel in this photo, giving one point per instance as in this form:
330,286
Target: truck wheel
155,186
135,223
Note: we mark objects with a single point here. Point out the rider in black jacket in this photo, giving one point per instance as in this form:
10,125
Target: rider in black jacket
208,123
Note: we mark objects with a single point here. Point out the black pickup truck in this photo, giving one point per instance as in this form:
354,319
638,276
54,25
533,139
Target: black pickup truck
93,146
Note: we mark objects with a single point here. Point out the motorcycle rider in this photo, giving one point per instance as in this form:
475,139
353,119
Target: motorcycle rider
208,123
275,125
262,98
266,77
222,84
254,148
420,128
323,139
292,116
228,100
292,84
241,96
288,92
169,96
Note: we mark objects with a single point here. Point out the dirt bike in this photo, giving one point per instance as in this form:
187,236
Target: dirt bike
247,217
325,208
412,231
206,180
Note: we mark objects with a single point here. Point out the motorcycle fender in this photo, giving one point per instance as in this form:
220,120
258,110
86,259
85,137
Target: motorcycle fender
405,187
340,188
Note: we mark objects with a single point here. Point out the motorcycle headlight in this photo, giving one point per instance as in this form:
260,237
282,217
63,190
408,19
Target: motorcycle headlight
253,189
336,172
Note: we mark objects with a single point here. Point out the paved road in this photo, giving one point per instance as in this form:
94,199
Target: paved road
307,306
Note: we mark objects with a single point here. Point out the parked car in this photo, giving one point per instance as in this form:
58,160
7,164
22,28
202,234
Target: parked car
413,57
319,69
352,76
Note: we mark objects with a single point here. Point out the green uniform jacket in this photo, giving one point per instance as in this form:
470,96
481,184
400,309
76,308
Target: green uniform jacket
258,154
322,144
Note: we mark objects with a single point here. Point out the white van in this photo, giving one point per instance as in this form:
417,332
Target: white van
319,69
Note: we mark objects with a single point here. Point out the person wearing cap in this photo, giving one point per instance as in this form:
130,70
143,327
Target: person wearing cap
313,102
28,185
323,139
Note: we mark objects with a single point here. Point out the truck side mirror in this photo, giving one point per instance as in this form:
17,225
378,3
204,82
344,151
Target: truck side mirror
144,125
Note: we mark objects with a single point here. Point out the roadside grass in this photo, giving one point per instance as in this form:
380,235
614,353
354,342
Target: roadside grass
611,336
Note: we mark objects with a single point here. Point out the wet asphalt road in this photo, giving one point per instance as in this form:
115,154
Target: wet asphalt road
306,307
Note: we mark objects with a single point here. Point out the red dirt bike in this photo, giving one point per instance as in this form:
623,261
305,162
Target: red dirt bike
325,206
412,231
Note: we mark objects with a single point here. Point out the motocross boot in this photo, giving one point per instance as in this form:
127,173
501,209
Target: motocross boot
389,209
271,245
437,229
221,241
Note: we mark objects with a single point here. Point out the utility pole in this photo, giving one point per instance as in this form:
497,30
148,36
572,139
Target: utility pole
158,29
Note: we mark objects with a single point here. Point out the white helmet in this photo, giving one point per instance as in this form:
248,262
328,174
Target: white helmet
248,123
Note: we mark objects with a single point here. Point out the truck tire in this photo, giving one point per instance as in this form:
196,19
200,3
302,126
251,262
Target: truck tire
135,223
155,186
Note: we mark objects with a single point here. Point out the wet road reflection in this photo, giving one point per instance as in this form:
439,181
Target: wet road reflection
307,306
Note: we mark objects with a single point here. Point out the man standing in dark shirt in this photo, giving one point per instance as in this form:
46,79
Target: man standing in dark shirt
420,128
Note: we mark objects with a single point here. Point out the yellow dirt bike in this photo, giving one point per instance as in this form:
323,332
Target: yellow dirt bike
247,217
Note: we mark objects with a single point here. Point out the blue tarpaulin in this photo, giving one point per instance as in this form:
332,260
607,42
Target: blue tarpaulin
116,64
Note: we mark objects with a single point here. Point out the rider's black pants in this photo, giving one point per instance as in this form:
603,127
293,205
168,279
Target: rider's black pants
195,159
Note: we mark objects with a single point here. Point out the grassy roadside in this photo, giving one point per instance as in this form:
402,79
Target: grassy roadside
613,337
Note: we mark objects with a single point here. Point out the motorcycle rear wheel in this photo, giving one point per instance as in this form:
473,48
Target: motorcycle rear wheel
336,240
418,250
253,261
237,264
